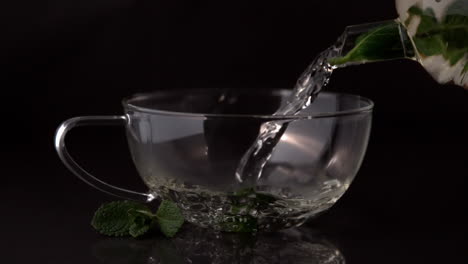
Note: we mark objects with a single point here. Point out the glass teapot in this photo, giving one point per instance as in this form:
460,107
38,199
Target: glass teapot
432,32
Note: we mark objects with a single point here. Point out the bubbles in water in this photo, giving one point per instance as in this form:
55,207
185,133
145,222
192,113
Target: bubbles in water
265,208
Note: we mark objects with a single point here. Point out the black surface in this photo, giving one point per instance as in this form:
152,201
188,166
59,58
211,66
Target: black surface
70,58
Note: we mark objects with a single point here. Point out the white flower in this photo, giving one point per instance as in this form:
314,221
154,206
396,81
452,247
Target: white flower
402,7
439,7
442,72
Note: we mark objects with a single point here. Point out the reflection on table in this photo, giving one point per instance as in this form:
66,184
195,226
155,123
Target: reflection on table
197,245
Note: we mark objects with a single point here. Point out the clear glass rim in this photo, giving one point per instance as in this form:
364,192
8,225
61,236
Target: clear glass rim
369,105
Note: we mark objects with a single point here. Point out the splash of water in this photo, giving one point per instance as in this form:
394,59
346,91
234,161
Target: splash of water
308,86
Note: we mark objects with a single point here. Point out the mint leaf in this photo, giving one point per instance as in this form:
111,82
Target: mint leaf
431,45
123,218
240,224
456,37
243,202
141,225
428,22
114,219
169,218
381,43
415,10
455,55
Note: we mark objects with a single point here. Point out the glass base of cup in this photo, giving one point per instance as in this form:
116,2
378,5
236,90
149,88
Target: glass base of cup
247,210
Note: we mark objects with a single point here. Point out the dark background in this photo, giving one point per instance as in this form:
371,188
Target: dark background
69,58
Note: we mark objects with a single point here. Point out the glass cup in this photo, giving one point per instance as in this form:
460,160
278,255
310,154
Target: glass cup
187,145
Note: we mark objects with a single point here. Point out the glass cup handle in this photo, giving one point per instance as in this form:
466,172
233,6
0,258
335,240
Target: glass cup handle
80,172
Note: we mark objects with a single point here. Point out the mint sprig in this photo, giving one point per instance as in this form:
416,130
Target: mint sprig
448,37
243,202
124,218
